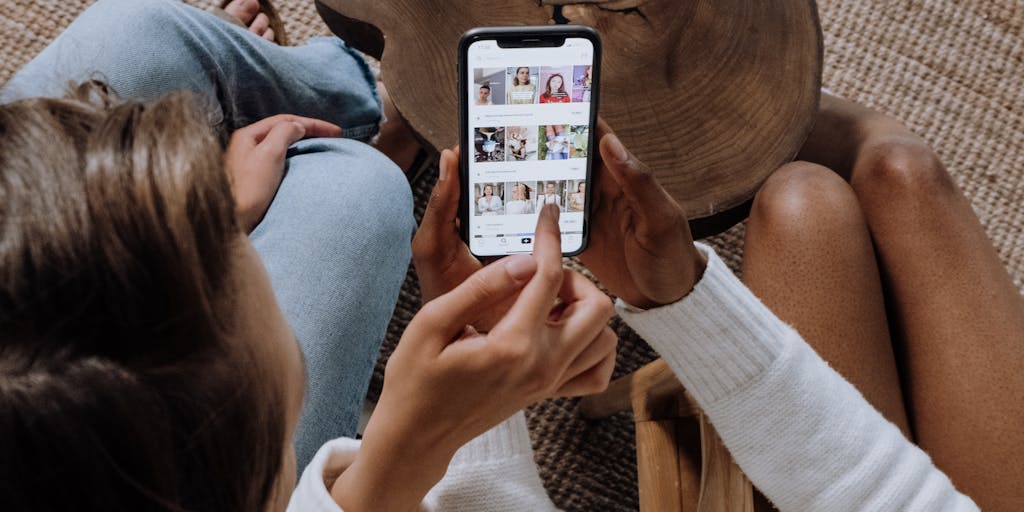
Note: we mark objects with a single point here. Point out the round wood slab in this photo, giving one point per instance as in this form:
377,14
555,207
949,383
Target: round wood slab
714,95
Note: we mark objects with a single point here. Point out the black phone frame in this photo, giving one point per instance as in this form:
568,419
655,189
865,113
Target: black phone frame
522,37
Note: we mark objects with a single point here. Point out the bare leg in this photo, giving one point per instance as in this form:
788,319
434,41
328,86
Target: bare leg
808,256
396,138
956,316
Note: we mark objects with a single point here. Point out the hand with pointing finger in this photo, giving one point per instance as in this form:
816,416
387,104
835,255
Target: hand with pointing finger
446,383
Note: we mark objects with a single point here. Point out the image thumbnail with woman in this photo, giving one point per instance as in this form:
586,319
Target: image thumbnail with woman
582,78
489,86
520,202
488,199
553,194
522,89
554,88
577,198
521,143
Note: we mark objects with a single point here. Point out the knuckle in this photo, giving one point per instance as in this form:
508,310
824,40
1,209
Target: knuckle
608,307
428,312
551,275
640,169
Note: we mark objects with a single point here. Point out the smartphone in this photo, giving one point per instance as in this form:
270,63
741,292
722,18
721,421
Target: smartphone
528,98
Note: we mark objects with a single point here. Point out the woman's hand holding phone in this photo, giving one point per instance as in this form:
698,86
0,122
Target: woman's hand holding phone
447,383
640,247
442,259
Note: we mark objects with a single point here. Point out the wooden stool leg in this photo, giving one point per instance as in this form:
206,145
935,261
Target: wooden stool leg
657,467
724,487
669,427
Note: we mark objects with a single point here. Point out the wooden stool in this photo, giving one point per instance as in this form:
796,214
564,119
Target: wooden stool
713,95
673,477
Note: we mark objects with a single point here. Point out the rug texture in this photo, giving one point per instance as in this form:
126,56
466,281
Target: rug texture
952,70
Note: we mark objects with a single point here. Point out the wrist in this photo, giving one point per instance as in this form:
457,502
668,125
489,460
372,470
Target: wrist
691,269
390,475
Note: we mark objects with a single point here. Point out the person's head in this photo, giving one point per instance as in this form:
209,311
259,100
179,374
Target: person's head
488,191
141,347
550,188
484,94
581,187
556,84
522,76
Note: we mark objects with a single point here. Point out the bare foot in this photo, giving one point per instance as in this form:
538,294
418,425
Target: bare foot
249,13
396,138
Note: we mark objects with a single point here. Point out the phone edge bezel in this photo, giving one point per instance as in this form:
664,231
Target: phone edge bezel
481,33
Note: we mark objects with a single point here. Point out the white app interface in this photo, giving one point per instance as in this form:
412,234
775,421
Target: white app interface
529,132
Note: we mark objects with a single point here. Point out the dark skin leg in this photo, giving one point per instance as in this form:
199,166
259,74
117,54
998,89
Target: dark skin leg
956,319
808,256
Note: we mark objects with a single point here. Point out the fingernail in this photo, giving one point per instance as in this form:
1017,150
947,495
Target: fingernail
551,210
619,152
442,173
520,266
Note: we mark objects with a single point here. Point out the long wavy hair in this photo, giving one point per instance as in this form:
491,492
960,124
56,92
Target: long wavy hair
118,387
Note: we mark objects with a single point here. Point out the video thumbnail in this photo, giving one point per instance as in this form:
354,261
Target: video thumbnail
521,143
489,86
554,142
488,199
577,196
489,144
579,140
522,85
554,82
582,78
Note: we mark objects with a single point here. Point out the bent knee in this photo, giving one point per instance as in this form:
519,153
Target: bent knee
901,169
803,194
349,182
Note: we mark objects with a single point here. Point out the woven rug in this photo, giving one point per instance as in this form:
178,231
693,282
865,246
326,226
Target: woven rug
951,69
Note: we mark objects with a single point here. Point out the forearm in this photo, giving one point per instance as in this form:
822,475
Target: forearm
494,471
390,473
805,437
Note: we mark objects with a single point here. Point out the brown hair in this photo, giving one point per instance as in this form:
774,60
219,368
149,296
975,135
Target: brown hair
561,88
118,390
515,77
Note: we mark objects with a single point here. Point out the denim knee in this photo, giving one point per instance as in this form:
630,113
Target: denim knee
349,185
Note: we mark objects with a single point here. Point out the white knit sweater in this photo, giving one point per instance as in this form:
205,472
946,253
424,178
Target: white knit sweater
802,434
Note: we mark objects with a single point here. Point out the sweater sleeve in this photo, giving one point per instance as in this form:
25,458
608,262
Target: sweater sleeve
494,472
803,435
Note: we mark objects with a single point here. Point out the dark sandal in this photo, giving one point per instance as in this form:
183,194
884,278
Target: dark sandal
266,8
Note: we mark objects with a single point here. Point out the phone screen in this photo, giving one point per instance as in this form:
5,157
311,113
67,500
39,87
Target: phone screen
529,142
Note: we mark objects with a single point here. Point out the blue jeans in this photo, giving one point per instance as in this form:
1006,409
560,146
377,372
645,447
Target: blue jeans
335,240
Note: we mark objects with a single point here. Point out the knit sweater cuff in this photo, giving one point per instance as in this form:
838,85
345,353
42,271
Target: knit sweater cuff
494,472
718,338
